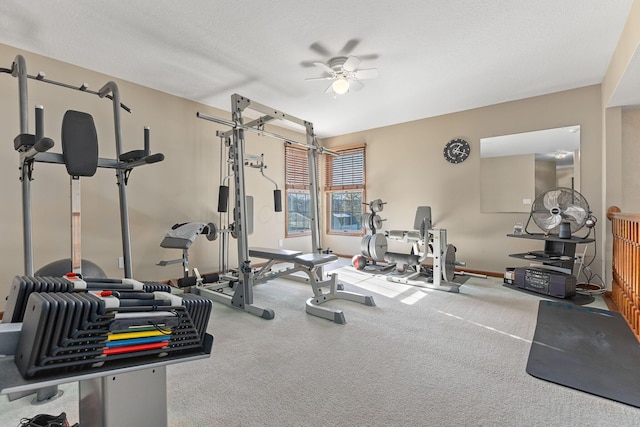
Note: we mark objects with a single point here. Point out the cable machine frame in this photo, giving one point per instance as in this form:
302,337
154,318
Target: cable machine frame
242,296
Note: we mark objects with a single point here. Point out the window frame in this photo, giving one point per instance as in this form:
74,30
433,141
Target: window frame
331,188
296,177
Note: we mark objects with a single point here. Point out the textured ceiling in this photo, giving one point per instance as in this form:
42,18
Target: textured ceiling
433,56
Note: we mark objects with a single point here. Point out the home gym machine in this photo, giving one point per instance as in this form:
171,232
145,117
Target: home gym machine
310,264
56,329
435,246
425,241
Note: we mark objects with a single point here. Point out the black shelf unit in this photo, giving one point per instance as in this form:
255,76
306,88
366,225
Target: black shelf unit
557,252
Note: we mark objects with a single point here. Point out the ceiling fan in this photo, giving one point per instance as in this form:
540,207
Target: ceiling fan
345,74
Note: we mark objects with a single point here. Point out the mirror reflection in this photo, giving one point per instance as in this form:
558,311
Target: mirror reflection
515,168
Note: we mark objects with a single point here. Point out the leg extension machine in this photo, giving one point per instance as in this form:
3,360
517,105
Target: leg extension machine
434,242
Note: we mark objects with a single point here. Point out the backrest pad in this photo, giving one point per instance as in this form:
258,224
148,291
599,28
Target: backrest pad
79,143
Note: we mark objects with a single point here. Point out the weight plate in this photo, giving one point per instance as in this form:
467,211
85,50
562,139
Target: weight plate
364,245
377,222
449,263
213,232
366,220
376,205
378,247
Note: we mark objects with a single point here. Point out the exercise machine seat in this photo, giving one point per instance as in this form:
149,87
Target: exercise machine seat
277,254
402,235
79,143
313,260
182,236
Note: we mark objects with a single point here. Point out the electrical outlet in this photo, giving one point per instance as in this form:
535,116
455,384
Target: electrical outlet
120,262
281,242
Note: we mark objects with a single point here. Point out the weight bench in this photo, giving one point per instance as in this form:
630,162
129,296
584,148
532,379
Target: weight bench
310,264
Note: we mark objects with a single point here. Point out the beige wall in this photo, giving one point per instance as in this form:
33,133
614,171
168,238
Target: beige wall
406,168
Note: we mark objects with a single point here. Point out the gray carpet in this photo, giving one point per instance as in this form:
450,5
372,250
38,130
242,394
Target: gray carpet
419,358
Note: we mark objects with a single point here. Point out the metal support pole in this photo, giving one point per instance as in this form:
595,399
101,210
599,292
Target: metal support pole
19,69
120,177
312,156
26,220
240,211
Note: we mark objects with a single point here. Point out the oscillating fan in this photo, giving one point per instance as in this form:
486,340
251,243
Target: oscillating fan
561,211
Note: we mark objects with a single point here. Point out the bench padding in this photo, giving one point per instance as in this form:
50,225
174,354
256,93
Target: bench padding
314,260
307,260
272,253
182,236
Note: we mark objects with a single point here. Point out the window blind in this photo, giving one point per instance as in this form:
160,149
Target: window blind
346,171
296,168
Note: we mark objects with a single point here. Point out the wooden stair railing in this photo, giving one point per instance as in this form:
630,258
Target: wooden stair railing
625,289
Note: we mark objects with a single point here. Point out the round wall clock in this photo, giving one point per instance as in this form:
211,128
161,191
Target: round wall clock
456,151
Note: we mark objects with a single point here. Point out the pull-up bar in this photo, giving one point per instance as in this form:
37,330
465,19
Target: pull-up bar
19,69
236,125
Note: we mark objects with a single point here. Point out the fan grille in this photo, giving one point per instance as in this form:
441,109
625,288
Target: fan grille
553,207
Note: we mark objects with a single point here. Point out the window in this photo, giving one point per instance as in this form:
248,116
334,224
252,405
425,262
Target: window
344,186
298,198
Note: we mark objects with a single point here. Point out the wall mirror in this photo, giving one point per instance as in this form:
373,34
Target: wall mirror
516,168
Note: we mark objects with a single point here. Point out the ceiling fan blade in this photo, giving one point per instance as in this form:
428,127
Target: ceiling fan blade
318,48
325,67
307,64
355,85
351,63
550,222
368,57
367,73
319,78
349,46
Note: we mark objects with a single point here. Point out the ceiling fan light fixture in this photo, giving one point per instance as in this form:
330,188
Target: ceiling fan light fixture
560,155
340,86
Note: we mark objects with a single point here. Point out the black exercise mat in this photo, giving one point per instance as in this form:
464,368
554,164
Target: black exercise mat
578,299
587,349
